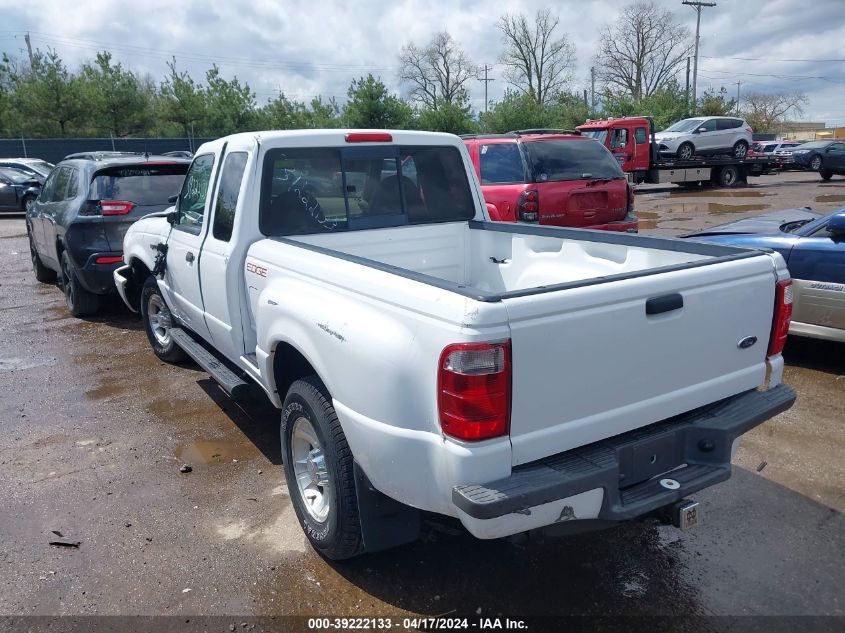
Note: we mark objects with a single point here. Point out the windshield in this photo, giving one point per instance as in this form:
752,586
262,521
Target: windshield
41,166
687,125
599,135
331,189
814,145
558,160
139,184
15,175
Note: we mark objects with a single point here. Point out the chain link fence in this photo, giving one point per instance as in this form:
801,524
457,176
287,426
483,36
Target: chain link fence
55,149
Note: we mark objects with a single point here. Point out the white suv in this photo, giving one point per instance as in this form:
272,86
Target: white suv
706,135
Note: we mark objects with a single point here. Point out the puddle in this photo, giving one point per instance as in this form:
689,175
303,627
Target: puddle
709,207
105,390
831,197
703,193
213,452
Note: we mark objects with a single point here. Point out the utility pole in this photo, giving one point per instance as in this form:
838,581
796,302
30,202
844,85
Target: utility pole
737,97
592,90
687,92
28,48
486,81
697,6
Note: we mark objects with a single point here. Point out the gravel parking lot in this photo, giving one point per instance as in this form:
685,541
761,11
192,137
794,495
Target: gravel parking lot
95,429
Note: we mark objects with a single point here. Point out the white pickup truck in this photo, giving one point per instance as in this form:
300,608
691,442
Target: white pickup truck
426,359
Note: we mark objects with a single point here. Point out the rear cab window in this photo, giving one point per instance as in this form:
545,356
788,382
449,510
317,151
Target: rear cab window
556,160
313,190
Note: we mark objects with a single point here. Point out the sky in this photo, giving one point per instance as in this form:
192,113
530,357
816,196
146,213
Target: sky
307,48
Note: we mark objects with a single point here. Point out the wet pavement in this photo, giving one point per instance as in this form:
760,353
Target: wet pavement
95,430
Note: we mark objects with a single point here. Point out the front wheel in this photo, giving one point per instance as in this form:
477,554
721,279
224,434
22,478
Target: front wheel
158,322
685,151
826,174
740,149
816,163
80,301
319,471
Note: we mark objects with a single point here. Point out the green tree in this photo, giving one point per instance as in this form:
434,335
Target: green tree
713,103
666,105
516,111
454,118
370,105
229,106
118,101
322,114
48,96
281,113
181,101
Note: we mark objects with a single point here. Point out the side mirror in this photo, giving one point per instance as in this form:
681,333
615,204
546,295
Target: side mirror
700,130
173,198
172,217
836,226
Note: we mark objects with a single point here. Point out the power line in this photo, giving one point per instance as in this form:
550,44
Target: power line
769,59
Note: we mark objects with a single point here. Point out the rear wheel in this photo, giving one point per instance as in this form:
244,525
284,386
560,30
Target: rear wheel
42,273
728,176
158,322
319,471
80,302
826,174
686,151
816,163
740,149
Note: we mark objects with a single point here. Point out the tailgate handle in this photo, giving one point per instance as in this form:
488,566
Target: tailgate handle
666,303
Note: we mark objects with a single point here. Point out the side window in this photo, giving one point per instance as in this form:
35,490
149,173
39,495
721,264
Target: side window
640,136
60,185
46,194
73,184
709,126
837,147
500,163
620,138
194,192
227,195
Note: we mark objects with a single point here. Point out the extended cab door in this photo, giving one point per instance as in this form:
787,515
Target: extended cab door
181,278
220,265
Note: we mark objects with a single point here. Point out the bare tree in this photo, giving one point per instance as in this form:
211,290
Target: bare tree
537,64
438,73
641,50
765,111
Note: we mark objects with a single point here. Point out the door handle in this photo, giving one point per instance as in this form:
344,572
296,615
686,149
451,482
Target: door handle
666,303
189,257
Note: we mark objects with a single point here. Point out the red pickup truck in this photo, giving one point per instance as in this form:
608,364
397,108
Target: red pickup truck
552,177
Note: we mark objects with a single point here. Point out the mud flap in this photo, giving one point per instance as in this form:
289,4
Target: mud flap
385,523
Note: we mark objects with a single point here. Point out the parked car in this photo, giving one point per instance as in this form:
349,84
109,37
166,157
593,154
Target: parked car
18,189
780,151
554,178
77,223
710,135
825,157
39,168
424,358
813,246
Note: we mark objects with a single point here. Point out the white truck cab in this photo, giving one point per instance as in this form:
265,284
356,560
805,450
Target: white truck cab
427,359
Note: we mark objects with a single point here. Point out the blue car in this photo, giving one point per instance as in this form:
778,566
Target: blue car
825,157
813,246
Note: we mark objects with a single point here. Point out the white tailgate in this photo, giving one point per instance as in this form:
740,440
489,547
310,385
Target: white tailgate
588,363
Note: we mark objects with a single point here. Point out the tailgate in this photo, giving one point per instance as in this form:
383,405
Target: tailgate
590,362
577,204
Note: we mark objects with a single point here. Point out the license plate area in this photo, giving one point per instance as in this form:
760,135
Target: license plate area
688,515
642,460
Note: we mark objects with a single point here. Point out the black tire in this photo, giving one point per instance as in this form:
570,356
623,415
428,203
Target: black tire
338,535
42,273
728,176
740,149
825,174
685,151
157,320
80,302
27,202
816,163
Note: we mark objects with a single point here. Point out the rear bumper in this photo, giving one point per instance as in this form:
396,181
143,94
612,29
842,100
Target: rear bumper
623,226
99,278
620,478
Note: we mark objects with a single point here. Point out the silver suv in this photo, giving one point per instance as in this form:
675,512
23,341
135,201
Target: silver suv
705,135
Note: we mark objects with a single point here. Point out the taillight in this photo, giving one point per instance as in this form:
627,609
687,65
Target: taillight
115,207
369,137
783,314
629,209
108,259
528,205
474,390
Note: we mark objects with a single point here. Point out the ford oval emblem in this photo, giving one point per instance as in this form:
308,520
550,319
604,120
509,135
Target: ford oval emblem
747,342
